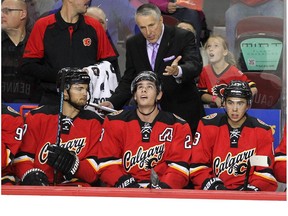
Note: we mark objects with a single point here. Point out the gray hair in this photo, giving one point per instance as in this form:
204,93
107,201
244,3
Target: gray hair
147,10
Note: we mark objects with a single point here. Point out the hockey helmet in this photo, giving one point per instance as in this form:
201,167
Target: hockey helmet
238,89
72,75
146,75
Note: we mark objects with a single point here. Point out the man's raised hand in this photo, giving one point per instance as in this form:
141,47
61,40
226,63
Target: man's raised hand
173,69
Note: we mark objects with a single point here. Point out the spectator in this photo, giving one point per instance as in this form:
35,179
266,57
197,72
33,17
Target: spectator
169,7
15,87
219,72
33,14
137,141
98,14
184,24
119,12
64,39
177,63
240,9
11,138
187,26
280,165
224,142
73,154
43,6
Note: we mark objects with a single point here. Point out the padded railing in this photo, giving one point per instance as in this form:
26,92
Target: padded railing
141,193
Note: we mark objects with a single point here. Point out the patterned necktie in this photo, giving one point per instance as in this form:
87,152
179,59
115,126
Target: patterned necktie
154,54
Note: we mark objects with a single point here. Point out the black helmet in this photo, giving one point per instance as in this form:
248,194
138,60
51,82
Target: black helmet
145,75
72,76
238,89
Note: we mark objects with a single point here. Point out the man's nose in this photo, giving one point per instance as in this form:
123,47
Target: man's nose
235,107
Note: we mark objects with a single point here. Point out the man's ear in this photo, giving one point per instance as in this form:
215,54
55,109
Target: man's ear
66,96
159,96
161,19
24,15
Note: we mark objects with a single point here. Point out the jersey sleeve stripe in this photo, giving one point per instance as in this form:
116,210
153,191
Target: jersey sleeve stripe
179,168
93,163
8,159
23,159
280,158
109,163
198,168
267,176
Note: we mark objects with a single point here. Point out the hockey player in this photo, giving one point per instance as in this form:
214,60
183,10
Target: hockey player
11,139
280,165
137,141
224,143
74,156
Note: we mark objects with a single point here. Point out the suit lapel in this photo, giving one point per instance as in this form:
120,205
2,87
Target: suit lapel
164,47
143,55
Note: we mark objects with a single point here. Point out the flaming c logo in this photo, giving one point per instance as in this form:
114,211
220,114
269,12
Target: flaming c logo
87,41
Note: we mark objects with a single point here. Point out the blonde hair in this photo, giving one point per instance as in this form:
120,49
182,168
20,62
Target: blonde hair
229,58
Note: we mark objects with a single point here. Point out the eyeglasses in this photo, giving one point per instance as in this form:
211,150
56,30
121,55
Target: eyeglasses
8,10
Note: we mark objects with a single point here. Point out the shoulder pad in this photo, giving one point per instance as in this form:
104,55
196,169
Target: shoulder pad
179,118
216,119
262,122
259,123
88,115
124,115
9,111
211,116
46,109
115,113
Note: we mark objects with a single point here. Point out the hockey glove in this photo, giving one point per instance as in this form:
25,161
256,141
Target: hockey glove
127,181
63,160
34,177
213,184
250,188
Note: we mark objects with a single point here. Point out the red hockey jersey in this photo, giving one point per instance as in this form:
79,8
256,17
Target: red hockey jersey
11,138
220,151
280,165
80,135
130,146
214,84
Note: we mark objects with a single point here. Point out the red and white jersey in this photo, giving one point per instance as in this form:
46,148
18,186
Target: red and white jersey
80,135
130,146
214,84
221,151
11,138
280,165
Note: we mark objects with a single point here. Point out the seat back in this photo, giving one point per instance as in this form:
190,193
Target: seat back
259,44
169,20
269,90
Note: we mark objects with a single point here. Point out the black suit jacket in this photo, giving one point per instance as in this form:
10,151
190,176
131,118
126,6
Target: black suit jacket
180,98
